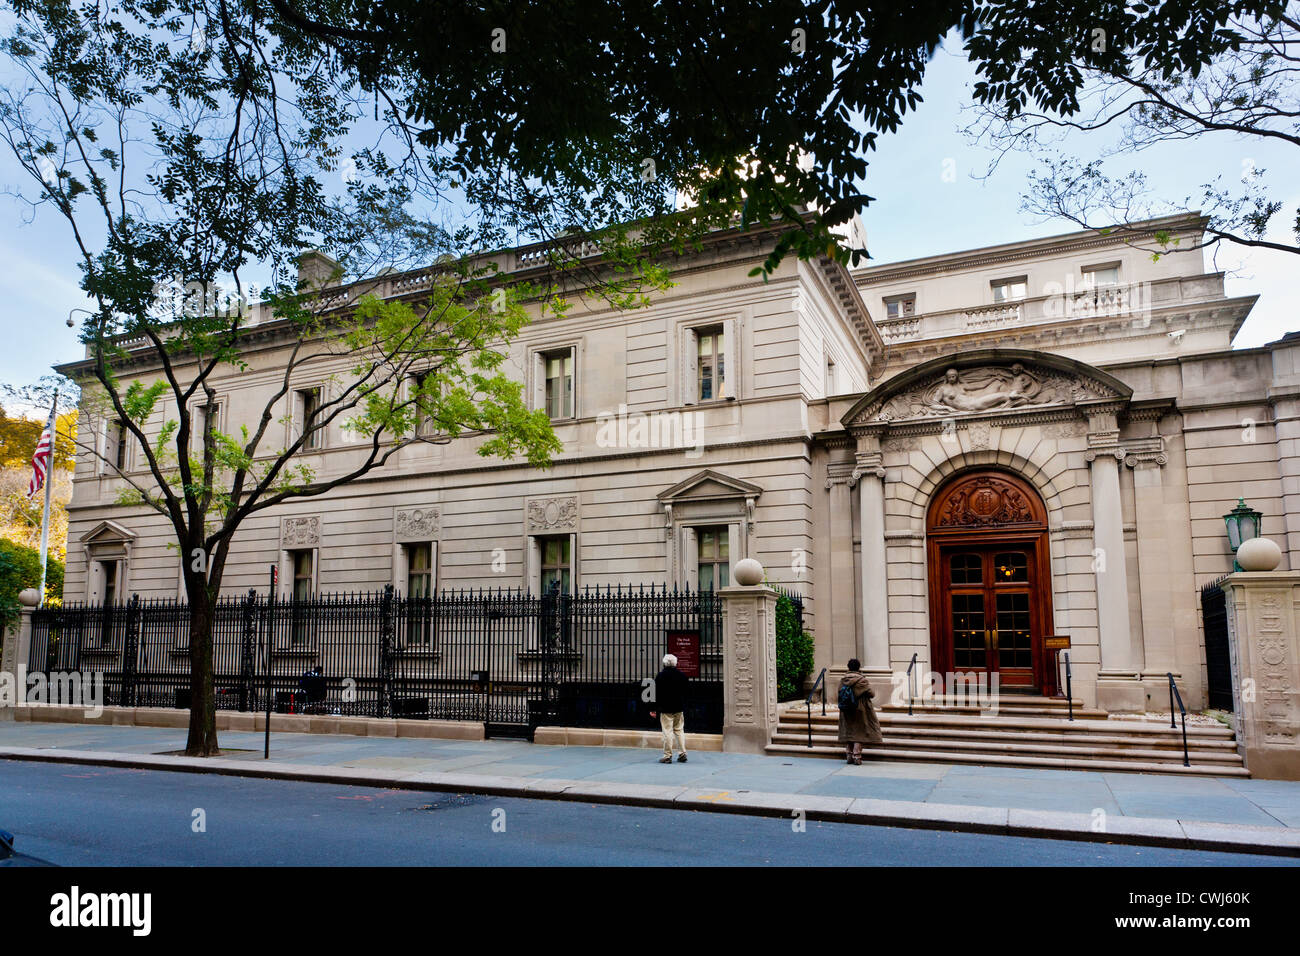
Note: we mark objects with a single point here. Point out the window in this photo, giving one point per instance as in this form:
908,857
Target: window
303,566
558,370
1096,277
308,404
1009,290
419,570
708,368
422,390
110,570
115,446
206,418
714,559
556,562
900,306
710,364
419,588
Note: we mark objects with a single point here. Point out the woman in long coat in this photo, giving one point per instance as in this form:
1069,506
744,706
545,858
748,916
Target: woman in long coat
860,725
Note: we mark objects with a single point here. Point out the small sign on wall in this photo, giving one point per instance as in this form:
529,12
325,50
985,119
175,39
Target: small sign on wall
685,646
1056,642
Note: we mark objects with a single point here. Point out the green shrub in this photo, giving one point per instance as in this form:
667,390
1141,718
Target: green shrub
794,651
20,567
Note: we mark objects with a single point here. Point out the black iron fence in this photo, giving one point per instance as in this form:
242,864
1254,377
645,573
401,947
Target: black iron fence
505,657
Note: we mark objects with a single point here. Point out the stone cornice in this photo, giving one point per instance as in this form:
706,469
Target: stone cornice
975,259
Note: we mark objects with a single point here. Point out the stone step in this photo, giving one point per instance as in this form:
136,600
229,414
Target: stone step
795,719
1017,746
1171,741
1015,760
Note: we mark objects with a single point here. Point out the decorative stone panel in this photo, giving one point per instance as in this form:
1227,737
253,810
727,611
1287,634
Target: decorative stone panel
303,532
416,524
544,515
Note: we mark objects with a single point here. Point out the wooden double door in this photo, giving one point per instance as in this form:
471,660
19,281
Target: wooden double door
990,583
989,611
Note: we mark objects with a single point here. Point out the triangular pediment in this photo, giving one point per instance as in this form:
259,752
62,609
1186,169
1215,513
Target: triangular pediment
709,484
107,532
985,382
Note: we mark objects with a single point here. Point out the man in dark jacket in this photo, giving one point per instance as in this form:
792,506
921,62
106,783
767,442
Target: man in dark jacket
670,699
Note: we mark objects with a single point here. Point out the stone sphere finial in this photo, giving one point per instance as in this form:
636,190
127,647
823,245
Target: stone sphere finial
747,573
1259,554
29,597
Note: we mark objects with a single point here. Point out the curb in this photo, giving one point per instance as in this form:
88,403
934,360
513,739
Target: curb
1000,821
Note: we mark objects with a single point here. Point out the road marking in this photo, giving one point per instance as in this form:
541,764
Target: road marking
717,797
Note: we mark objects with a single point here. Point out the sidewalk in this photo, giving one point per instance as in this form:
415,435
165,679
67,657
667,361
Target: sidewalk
1255,816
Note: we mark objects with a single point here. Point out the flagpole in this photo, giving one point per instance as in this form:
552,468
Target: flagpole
49,483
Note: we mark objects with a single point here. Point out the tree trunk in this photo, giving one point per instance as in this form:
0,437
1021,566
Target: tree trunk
202,740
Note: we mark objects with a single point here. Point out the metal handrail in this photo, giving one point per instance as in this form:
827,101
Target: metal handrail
909,685
1069,687
820,681
1173,693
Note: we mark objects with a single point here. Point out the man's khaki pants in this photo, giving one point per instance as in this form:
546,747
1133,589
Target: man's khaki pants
670,724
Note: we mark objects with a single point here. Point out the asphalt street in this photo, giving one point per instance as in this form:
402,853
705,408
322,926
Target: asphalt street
98,816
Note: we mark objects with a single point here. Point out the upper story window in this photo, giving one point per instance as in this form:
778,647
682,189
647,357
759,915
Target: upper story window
422,392
558,368
1009,290
1097,277
554,382
307,403
710,365
115,446
708,371
206,418
900,306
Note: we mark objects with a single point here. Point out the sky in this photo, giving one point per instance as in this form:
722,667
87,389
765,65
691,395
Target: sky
918,211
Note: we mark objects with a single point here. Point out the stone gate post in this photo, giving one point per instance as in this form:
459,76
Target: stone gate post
14,651
749,660
1264,646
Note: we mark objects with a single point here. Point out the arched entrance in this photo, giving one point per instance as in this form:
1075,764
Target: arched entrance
990,581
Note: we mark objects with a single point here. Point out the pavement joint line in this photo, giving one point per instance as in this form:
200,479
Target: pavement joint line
1002,821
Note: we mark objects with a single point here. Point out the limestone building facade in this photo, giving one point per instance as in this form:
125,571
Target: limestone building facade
951,458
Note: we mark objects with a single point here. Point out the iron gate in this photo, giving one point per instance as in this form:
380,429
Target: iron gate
1218,664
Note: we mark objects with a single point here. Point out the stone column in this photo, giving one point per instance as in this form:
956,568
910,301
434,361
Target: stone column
1118,686
1265,650
749,665
870,475
1163,567
843,642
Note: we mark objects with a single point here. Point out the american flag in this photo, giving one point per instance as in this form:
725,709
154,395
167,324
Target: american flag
41,459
